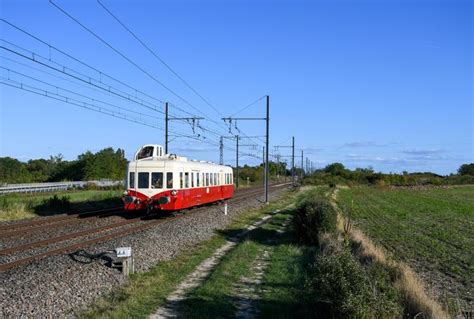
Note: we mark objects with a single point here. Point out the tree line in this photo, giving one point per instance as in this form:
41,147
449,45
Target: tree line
336,173
105,164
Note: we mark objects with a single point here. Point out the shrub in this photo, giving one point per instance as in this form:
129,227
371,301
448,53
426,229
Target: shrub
56,203
341,287
312,216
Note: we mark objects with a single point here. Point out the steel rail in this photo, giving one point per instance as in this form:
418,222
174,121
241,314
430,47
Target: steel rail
120,233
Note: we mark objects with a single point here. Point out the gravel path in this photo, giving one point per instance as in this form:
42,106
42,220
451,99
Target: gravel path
58,285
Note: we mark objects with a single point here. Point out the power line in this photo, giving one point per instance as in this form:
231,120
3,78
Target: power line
132,62
88,80
78,94
65,99
126,58
249,105
158,57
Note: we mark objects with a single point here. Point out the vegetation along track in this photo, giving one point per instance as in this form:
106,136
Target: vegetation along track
140,226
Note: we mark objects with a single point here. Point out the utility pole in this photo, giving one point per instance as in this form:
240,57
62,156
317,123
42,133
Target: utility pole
166,128
293,162
194,120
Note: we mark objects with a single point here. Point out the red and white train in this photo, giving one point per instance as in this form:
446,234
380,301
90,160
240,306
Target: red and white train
158,181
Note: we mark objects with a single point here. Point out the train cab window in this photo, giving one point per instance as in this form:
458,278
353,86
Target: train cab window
131,180
192,179
143,180
197,179
145,152
169,180
181,180
156,180
186,180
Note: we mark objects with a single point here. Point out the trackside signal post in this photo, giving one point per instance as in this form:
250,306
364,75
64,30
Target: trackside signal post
267,139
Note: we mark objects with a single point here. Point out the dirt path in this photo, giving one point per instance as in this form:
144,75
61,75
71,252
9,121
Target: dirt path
200,274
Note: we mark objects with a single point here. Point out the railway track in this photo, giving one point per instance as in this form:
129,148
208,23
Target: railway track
37,224
124,228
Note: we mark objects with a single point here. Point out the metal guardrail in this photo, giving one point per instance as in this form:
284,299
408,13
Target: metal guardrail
56,186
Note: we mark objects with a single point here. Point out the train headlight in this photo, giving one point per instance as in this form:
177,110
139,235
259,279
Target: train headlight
125,193
174,192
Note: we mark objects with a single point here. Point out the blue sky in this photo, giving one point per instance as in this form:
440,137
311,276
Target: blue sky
386,84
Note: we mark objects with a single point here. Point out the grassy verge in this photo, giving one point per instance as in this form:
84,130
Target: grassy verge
146,291
22,206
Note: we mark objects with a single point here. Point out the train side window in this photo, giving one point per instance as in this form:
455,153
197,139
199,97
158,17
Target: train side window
143,180
157,180
186,180
181,180
192,179
207,179
197,179
131,180
169,180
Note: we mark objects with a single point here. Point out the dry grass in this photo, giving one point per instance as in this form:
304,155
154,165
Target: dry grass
410,287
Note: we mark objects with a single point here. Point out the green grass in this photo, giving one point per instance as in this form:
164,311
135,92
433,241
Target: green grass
146,291
431,229
21,206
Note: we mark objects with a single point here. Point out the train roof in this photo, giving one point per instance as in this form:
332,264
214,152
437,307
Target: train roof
152,153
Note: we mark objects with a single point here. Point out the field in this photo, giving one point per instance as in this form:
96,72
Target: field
431,229
22,206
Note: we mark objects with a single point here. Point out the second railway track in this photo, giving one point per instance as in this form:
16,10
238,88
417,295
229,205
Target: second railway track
122,228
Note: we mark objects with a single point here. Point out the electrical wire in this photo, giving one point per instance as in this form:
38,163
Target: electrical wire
158,58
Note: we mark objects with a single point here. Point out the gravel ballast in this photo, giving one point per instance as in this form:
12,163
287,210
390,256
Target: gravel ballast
59,285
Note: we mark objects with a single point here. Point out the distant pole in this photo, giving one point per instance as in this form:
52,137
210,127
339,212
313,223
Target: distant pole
221,151
166,127
302,165
293,161
264,167
267,148
237,161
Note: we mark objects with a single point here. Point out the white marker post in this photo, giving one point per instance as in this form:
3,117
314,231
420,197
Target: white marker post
225,209
125,256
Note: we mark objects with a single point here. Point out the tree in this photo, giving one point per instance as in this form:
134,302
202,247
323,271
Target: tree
466,169
13,171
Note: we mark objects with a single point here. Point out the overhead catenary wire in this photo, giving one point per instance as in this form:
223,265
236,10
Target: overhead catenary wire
136,65
98,71
90,80
153,52
151,76
78,94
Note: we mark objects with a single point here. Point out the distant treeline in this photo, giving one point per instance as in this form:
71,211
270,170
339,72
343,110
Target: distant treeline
110,164
336,173
105,164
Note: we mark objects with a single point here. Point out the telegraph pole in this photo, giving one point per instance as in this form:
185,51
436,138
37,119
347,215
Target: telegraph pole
166,128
